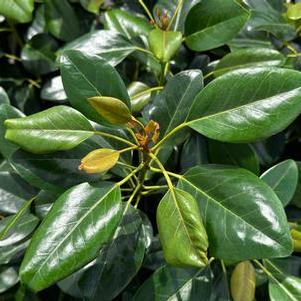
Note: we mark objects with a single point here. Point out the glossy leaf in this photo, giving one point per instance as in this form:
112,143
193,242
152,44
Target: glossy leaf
3,97
289,289
19,10
88,76
243,217
53,90
126,23
250,57
221,20
182,234
176,284
58,128
247,104
99,160
171,106
61,20
8,278
112,109
294,11
11,254
79,223
91,5
118,262
107,44
243,282
140,96
283,179
6,112
164,44
241,155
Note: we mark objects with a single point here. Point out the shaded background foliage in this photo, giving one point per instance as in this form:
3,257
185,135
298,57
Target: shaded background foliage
33,37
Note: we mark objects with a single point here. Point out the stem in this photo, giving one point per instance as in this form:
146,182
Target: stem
126,165
144,50
148,91
171,133
180,3
154,187
127,149
130,175
114,137
18,215
169,173
146,10
210,74
164,70
133,135
13,57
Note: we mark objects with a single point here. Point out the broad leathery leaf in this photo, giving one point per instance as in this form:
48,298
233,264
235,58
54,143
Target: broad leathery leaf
3,96
20,230
8,278
11,254
169,6
53,90
247,105
58,128
38,24
175,284
14,192
6,112
80,222
251,57
243,282
164,44
170,108
126,23
61,20
107,44
220,21
182,234
243,217
283,179
140,95
18,10
99,160
86,76
112,109
238,154
287,289
118,262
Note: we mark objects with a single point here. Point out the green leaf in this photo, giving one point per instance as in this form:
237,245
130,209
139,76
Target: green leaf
221,20
19,10
182,234
107,44
250,57
140,95
88,76
247,104
288,289
61,20
13,253
243,282
243,217
170,108
164,44
294,11
14,192
283,179
8,278
126,23
20,230
7,111
53,90
38,24
3,97
241,155
168,283
38,55
91,6
170,6
118,262
58,128
80,222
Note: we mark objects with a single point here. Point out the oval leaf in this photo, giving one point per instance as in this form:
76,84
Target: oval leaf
58,128
182,234
247,104
79,223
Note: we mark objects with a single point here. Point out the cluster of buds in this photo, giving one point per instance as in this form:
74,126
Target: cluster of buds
163,18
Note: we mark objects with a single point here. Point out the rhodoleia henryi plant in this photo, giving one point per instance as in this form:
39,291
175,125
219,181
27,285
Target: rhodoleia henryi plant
155,172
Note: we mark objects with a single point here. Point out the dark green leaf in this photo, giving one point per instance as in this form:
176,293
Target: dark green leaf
88,76
38,24
19,10
247,104
182,234
288,289
220,21
10,254
176,284
241,155
77,226
243,217
283,179
58,128
140,95
3,97
53,90
8,278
